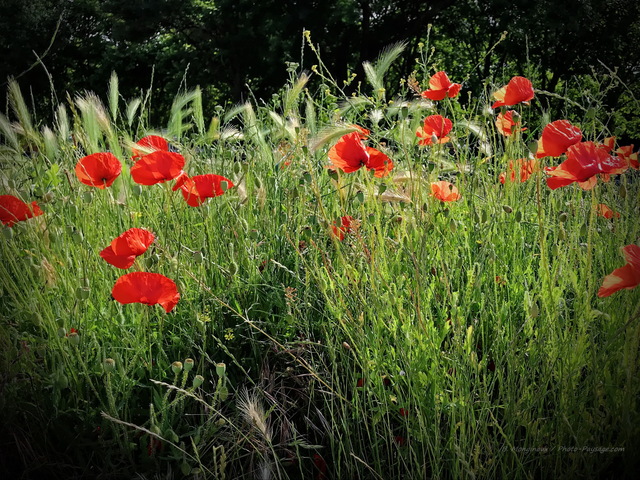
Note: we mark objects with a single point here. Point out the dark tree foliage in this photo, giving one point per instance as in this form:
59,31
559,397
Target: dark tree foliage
226,45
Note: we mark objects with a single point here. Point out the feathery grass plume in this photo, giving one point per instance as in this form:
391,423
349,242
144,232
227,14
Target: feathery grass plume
20,109
375,72
310,116
9,134
132,108
62,126
254,414
95,121
233,112
293,92
198,114
329,135
114,95
51,147
179,112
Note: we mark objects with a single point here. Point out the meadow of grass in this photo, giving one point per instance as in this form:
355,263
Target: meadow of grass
435,340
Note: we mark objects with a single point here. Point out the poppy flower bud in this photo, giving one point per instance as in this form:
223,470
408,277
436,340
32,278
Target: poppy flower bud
109,365
562,233
346,346
62,332
176,367
622,191
563,217
74,338
188,364
198,257
136,190
197,381
507,208
223,392
518,216
87,197
77,236
221,369
61,381
82,293
233,269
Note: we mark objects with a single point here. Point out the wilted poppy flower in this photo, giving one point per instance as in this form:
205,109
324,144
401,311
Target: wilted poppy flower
13,210
603,211
157,167
124,249
627,276
196,190
434,130
507,124
557,137
519,170
148,144
584,161
345,226
147,288
627,154
98,169
440,87
350,154
444,191
518,90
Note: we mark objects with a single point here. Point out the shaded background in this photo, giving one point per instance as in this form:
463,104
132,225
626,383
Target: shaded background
232,47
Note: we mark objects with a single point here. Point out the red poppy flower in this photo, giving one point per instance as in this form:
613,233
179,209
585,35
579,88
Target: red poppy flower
440,87
99,169
360,383
196,190
584,161
146,288
13,210
123,250
506,124
557,137
627,276
148,144
519,170
343,228
321,465
627,154
603,211
434,130
157,167
518,90
350,154
444,191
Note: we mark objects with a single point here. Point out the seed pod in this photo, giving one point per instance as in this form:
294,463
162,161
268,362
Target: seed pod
221,369
176,367
188,364
507,208
109,365
197,381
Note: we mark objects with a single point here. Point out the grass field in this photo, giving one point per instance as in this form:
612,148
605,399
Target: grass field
330,323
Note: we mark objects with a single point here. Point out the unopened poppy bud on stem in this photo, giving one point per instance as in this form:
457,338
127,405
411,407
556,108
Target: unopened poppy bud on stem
74,338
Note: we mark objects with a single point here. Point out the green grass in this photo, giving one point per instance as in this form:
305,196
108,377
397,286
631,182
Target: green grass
435,341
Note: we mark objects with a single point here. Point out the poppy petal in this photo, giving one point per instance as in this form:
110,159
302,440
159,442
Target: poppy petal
349,153
157,167
13,210
148,144
147,288
557,137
